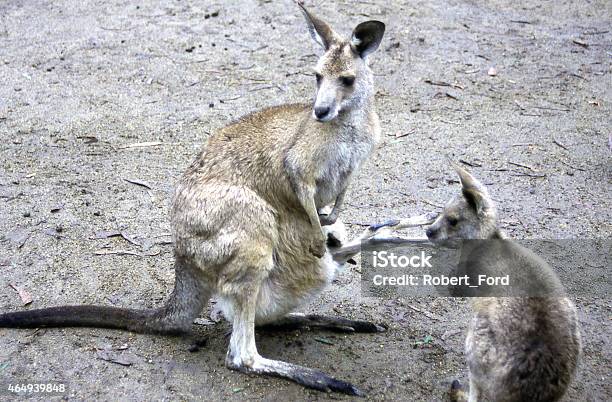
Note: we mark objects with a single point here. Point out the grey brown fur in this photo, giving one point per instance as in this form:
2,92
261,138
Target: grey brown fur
245,216
517,348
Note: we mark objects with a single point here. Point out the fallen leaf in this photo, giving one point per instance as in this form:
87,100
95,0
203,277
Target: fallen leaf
127,252
56,208
139,183
399,134
428,339
580,43
449,95
104,234
117,358
26,297
442,84
203,321
323,340
53,232
470,164
142,145
115,233
17,237
88,139
130,239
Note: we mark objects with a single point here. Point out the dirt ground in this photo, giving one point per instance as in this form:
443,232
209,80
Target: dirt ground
84,80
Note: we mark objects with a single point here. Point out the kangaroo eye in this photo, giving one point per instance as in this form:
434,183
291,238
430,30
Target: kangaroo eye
318,77
452,221
347,81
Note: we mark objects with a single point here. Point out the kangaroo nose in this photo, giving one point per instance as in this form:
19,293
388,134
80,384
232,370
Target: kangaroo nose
321,111
429,232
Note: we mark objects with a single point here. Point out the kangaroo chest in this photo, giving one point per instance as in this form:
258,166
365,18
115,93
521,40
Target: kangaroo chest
342,157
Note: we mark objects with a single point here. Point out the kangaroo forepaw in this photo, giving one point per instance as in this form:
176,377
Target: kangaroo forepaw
329,219
457,393
374,227
317,248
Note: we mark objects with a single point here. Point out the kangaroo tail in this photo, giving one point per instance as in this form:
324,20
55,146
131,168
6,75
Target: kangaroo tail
77,316
176,316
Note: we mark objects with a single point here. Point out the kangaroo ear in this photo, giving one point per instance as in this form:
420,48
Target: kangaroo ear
467,180
475,192
320,31
366,37
475,199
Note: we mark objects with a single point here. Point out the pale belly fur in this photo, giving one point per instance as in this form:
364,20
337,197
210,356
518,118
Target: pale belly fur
275,301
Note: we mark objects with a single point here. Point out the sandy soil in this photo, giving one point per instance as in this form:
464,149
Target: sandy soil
82,80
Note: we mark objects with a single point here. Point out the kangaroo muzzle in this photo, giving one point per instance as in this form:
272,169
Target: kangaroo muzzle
326,105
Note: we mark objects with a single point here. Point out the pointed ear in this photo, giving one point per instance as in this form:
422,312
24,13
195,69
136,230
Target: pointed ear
467,180
475,192
366,37
475,200
320,31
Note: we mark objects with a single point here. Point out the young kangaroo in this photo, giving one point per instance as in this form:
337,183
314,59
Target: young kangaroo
517,348
244,216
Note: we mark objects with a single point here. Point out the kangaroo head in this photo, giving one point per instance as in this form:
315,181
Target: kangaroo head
470,215
344,80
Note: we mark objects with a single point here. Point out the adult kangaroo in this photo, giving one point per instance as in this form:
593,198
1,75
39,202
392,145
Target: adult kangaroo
245,218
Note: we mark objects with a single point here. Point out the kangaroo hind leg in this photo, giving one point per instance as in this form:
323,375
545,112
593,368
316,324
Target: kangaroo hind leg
300,321
189,297
242,354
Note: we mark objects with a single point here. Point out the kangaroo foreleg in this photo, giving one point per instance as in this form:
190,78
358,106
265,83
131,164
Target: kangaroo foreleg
377,236
306,196
305,192
332,217
398,224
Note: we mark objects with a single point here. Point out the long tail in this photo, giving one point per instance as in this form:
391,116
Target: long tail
78,316
176,316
